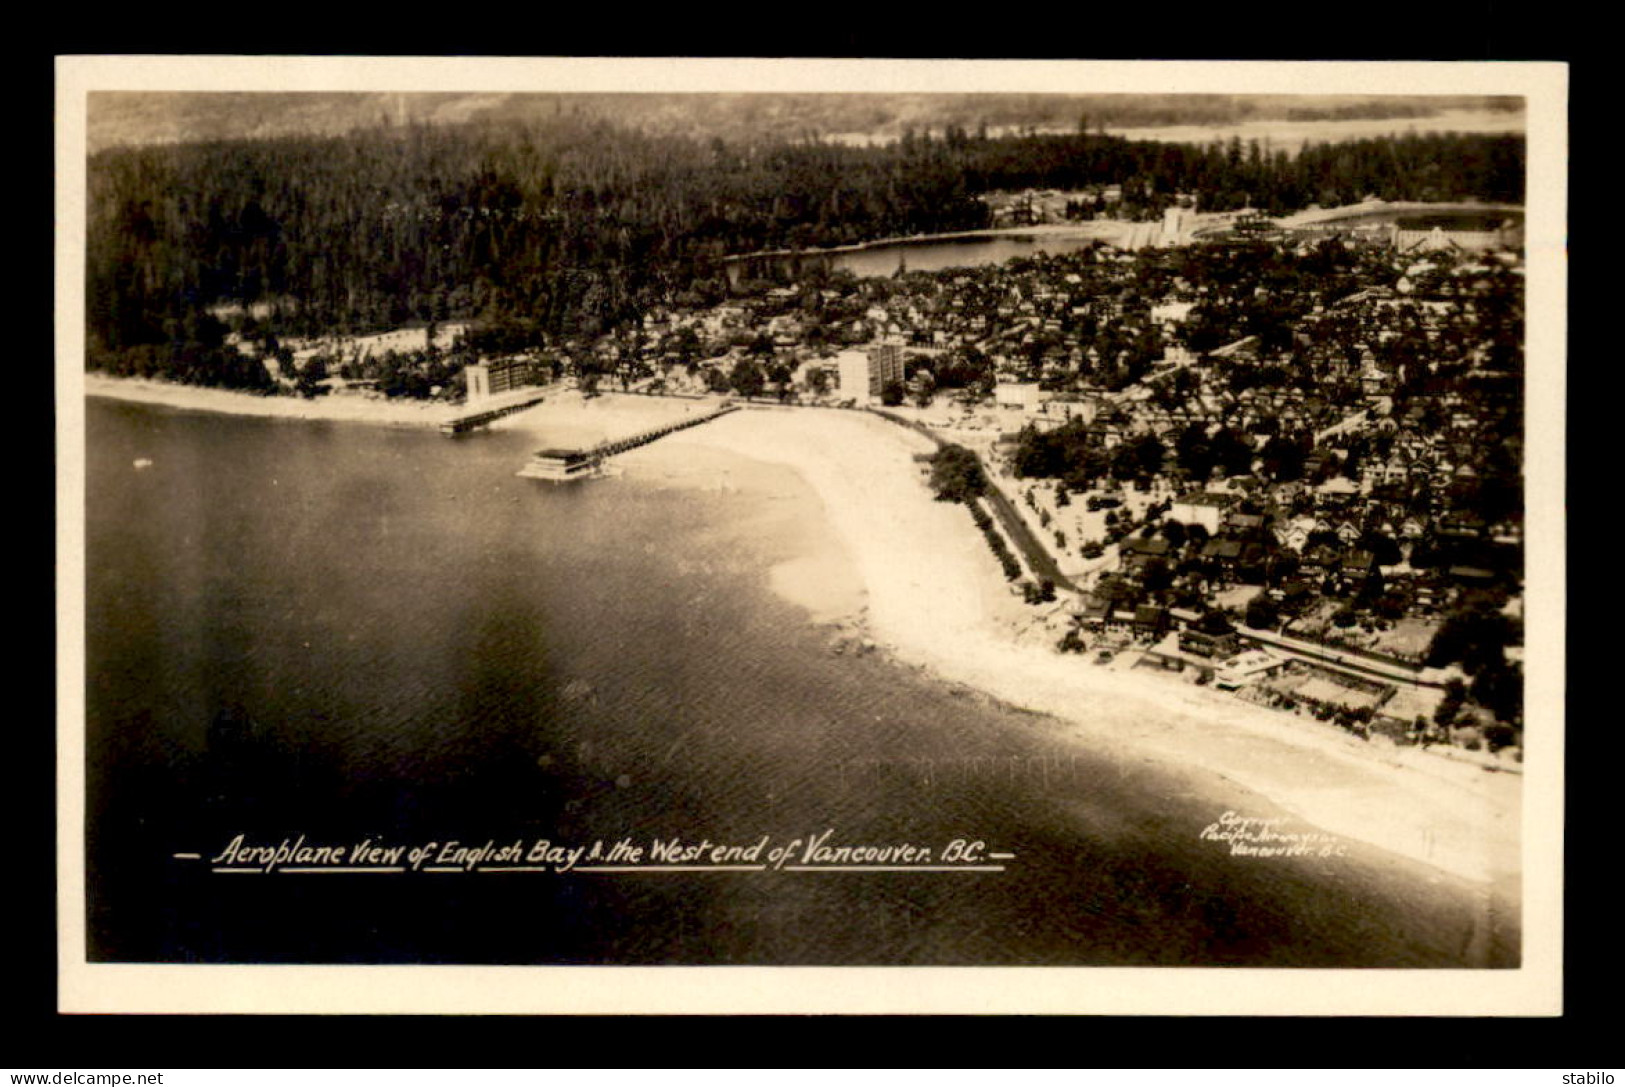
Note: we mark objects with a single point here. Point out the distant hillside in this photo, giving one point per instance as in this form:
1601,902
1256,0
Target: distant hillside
142,118
122,119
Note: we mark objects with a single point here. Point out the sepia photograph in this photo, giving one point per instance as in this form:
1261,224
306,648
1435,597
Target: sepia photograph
1098,526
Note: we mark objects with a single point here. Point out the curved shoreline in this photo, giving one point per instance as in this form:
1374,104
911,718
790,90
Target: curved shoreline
1107,229
1046,230
342,409
934,597
1379,208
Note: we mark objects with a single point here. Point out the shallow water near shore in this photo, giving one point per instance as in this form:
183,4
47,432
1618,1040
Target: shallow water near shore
305,628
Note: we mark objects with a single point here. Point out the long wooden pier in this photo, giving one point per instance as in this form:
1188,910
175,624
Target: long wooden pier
462,424
563,464
621,445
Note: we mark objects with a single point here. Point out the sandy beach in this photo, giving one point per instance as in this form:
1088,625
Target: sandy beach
566,418
347,409
563,418
934,597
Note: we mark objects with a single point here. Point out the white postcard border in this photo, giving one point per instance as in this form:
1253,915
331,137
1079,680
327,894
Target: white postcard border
1533,989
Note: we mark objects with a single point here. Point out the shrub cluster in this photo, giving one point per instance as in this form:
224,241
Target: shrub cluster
956,474
1012,568
1041,593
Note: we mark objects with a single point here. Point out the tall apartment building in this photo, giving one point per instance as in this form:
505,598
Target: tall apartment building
865,374
487,379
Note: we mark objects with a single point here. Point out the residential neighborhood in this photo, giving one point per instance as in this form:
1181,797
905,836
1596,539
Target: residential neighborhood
1294,467
1287,463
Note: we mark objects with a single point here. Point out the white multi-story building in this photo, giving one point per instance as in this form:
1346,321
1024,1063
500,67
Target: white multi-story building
1175,226
1205,509
492,378
866,374
1023,395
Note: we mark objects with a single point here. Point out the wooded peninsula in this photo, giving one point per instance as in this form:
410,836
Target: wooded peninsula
573,227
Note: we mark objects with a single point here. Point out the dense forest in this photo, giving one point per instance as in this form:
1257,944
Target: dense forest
572,227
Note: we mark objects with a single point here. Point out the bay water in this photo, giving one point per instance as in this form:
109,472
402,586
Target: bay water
367,634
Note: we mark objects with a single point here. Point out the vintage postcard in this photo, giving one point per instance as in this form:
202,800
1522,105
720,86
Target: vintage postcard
811,536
